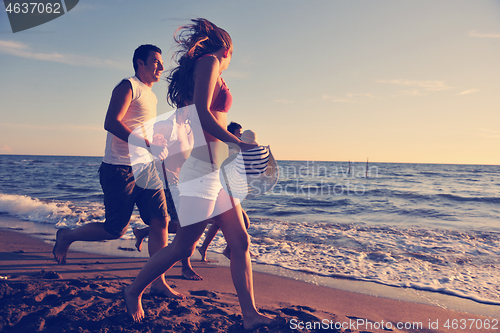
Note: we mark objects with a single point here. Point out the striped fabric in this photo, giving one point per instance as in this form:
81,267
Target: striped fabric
253,161
250,174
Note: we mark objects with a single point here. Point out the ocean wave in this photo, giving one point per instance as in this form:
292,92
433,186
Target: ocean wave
454,197
58,213
425,213
311,230
285,212
411,195
300,202
463,264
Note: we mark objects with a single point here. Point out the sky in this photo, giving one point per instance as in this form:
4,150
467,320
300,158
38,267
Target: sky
414,81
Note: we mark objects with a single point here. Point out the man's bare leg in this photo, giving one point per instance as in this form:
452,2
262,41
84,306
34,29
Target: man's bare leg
158,237
87,232
188,271
140,234
181,248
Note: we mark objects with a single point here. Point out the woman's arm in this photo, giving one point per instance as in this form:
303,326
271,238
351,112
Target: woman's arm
206,74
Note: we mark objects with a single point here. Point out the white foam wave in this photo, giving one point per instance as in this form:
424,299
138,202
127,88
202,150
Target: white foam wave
62,214
455,263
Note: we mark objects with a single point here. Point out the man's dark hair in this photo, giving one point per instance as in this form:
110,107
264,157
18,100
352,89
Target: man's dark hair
233,127
142,52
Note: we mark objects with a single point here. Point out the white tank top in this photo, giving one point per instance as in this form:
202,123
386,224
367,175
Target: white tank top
142,109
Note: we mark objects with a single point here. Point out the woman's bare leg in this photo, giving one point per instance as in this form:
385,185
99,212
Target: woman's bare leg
232,225
187,270
246,219
209,237
247,225
182,247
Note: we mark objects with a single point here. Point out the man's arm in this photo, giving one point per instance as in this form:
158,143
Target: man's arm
118,106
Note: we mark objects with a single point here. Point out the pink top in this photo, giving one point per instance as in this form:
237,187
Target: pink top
224,99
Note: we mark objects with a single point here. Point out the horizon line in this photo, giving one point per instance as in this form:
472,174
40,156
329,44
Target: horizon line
282,160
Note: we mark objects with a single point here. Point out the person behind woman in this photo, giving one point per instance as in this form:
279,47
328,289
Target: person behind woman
235,129
205,53
176,133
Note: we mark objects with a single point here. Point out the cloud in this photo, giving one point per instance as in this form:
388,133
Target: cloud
488,133
350,95
336,99
467,92
5,149
22,50
61,127
474,33
349,98
283,101
426,85
413,92
235,74
247,60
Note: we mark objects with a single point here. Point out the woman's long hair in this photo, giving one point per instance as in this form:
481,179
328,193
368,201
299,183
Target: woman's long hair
194,40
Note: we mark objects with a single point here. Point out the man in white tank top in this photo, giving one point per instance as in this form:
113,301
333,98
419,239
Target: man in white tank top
128,175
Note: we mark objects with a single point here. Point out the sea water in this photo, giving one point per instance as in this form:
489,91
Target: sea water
427,227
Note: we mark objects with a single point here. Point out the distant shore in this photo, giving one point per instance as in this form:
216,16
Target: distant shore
37,295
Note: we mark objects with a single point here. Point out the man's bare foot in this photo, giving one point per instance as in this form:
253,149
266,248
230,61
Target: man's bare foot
259,320
134,306
61,247
227,252
165,291
138,239
203,253
189,274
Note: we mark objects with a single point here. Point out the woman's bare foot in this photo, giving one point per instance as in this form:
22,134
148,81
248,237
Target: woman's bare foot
189,274
203,253
61,247
134,306
165,291
257,321
204,256
140,234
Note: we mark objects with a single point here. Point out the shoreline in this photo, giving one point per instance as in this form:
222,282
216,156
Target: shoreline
125,248
100,277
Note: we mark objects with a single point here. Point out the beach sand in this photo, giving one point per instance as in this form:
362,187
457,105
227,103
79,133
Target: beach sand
38,295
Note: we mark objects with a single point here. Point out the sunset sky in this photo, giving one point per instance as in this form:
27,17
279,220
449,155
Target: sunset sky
388,80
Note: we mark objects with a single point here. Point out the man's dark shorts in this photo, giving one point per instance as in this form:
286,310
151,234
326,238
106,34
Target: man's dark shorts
172,212
121,193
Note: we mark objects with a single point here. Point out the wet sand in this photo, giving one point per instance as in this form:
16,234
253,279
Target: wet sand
38,295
